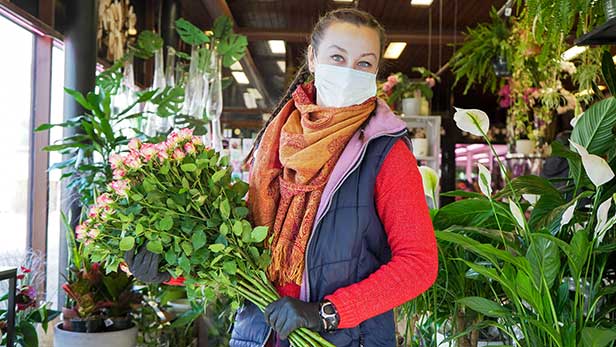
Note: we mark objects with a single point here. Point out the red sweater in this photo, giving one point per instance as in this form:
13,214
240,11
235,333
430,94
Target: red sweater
413,267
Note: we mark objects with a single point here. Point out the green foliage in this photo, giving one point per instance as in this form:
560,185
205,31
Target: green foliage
473,60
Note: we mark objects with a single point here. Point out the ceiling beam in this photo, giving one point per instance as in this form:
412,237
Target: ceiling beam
217,8
290,35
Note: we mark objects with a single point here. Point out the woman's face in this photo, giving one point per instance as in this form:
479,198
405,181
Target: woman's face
347,45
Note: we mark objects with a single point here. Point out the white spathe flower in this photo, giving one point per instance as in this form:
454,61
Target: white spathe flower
473,121
516,211
597,169
532,198
568,215
602,212
485,181
429,178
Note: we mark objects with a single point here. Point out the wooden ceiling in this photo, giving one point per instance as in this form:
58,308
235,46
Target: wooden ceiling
431,32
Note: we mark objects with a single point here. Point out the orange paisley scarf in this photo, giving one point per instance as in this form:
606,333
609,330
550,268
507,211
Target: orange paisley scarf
297,153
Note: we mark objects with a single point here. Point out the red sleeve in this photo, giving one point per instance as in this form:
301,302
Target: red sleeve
413,268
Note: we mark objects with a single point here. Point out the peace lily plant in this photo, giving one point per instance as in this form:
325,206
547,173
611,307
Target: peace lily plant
532,260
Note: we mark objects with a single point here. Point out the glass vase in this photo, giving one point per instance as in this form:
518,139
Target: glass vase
213,106
156,124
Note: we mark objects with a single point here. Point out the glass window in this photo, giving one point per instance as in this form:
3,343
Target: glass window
15,110
54,219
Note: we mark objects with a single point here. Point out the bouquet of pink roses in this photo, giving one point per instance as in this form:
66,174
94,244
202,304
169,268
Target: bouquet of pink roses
178,199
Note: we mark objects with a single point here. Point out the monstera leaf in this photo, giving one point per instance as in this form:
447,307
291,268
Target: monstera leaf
189,33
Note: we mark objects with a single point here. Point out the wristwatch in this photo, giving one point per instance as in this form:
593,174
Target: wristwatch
329,316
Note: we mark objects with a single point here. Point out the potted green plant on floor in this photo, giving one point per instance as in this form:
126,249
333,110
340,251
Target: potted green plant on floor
29,312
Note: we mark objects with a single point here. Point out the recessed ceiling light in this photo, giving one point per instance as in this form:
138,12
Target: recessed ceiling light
240,77
255,93
394,50
236,66
347,1
277,46
421,2
249,100
282,65
573,52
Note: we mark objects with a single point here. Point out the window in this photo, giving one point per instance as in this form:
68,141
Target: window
15,110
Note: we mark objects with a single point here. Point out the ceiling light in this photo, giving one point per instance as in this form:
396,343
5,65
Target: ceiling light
236,66
249,100
421,2
344,0
282,65
255,93
240,77
277,46
573,52
394,50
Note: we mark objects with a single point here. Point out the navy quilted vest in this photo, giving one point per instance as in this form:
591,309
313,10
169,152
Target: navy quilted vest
348,245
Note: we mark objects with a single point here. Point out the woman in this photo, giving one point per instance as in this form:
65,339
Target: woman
335,180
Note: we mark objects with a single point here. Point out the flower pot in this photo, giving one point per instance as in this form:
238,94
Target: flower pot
120,323
524,146
610,9
411,106
420,147
121,338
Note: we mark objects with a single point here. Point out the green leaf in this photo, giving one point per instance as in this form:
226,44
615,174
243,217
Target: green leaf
484,306
137,197
594,129
166,223
29,333
473,212
219,175
544,258
188,167
184,264
230,267
222,27
217,247
81,100
609,71
187,247
198,240
225,209
240,212
170,256
148,43
139,229
232,48
127,243
155,247
189,33
258,234
597,337
237,228
187,317
224,229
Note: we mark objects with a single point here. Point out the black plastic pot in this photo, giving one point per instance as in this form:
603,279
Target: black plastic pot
501,68
87,325
120,323
610,9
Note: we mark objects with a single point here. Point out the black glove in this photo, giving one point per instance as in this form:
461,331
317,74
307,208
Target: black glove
144,266
288,314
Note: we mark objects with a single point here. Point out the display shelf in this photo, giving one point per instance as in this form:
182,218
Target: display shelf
432,129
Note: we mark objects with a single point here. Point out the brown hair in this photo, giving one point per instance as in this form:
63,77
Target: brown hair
342,15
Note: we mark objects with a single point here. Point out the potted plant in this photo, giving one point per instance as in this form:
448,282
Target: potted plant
399,89
29,312
420,142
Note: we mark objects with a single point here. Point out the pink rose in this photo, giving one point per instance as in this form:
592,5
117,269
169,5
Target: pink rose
196,140
172,139
393,80
178,154
186,134
120,187
134,144
148,151
162,150
115,160
430,82
104,199
118,173
387,87
132,161
93,233
190,148
93,212
80,231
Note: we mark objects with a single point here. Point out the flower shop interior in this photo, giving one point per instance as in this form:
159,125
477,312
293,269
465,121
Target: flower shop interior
508,104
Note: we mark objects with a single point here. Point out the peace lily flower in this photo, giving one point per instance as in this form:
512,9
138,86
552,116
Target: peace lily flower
485,181
597,169
532,198
604,223
472,121
429,178
567,215
517,214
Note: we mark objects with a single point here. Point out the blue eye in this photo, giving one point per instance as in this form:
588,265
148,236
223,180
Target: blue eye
337,58
364,64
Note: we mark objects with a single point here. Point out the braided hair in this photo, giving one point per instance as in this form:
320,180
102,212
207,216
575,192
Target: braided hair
342,15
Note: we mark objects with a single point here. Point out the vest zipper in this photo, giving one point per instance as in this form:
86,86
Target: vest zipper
338,185
267,337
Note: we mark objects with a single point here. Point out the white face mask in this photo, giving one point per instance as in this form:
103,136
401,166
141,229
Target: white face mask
342,86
